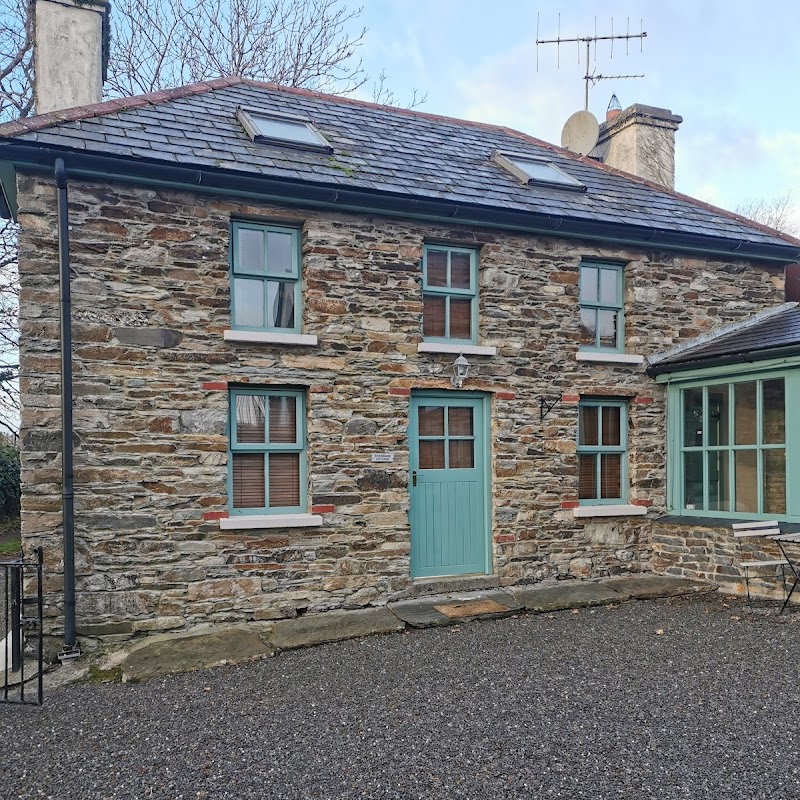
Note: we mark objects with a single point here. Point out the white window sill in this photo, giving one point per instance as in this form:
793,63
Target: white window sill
608,358
609,511
456,349
266,337
240,523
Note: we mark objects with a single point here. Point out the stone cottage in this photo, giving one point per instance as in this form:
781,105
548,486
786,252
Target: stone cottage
326,353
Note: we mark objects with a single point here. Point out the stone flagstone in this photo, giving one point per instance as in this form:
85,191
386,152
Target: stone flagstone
333,626
167,655
568,595
647,587
428,612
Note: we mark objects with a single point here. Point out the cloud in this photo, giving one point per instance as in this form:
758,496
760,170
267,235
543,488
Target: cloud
507,90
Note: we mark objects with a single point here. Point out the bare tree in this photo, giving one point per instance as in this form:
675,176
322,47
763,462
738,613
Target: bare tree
164,43
386,97
777,212
16,100
16,58
159,44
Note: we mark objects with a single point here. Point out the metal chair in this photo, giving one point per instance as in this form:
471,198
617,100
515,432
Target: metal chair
762,530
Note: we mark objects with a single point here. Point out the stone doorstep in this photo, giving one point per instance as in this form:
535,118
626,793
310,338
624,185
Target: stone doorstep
209,645
451,609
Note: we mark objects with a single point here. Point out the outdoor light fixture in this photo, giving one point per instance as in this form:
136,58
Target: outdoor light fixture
460,371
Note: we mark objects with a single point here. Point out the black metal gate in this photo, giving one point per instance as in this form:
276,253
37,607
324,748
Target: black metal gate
21,631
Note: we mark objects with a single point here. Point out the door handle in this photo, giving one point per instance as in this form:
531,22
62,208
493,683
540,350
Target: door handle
414,478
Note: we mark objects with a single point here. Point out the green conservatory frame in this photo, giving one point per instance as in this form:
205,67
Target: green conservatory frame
787,369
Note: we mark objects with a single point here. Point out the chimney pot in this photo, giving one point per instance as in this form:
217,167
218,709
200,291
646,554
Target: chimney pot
614,108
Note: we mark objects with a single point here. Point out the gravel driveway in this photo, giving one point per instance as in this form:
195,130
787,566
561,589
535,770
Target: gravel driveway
589,705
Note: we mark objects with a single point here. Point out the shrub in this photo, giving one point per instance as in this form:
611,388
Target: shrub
9,482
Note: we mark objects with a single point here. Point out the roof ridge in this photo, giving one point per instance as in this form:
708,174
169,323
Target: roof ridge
116,104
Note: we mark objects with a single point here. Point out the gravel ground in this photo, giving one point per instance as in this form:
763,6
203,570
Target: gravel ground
597,704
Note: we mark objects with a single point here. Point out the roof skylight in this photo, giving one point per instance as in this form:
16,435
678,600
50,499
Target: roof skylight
539,171
282,129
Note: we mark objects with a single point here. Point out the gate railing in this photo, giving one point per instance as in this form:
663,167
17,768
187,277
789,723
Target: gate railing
21,631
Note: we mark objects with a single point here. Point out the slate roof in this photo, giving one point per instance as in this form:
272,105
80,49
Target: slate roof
375,148
752,340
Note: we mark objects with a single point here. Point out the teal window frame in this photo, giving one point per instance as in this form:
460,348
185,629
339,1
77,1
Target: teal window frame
676,447
596,306
266,447
448,292
237,271
599,450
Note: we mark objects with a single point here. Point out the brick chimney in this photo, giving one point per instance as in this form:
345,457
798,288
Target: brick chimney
639,140
71,53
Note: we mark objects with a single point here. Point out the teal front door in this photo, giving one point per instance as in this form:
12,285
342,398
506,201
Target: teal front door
448,485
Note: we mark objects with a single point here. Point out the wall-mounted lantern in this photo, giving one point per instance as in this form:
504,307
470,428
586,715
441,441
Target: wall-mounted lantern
460,371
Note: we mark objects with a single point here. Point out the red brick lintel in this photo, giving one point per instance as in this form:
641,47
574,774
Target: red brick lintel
399,391
214,385
642,400
570,398
505,395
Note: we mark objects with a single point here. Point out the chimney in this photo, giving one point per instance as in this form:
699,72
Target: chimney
640,140
71,52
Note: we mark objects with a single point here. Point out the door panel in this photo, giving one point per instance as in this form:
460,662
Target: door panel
448,486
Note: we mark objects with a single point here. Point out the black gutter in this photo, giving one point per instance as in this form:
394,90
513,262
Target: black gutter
746,357
228,182
67,477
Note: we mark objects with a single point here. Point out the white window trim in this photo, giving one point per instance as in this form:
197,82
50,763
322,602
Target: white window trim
466,349
608,358
249,521
267,337
609,511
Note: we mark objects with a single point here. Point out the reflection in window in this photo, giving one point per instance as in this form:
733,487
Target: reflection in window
734,447
449,294
265,292
602,451
601,324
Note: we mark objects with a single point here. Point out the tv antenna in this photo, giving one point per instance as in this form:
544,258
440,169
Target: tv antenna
593,77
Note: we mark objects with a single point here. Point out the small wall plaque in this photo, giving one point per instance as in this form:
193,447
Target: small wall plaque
382,458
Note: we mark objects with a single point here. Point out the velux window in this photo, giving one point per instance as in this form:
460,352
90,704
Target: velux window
283,129
535,170
267,452
601,324
732,454
450,294
602,451
265,280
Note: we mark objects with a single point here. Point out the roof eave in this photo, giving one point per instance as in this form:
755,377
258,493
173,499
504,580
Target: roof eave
745,357
222,181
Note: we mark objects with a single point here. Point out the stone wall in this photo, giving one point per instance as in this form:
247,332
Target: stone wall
713,554
150,304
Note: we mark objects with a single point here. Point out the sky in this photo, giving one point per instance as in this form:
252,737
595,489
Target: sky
730,68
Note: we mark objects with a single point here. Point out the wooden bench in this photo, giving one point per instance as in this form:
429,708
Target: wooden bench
768,530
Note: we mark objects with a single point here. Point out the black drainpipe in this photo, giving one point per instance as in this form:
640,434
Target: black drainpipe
67,485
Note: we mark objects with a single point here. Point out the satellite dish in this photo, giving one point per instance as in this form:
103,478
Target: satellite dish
580,133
